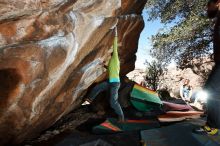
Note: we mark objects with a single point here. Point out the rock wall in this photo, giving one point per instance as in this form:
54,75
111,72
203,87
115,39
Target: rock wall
50,53
174,78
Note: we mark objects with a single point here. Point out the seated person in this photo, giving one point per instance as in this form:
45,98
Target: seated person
186,90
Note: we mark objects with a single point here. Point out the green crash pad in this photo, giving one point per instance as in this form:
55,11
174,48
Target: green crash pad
177,135
144,99
111,125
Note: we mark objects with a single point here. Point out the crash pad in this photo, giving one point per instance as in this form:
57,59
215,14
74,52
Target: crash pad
176,100
176,135
174,116
111,125
169,106
207,140
98,142
144,99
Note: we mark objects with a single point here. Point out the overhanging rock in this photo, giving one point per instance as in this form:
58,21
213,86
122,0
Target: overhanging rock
50,53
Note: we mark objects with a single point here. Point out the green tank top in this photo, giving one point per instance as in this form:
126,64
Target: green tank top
114,63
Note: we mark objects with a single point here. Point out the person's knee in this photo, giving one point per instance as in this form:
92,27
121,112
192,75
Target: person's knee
101,87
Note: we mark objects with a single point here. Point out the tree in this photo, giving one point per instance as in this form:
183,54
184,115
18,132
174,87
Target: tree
190,36
153,73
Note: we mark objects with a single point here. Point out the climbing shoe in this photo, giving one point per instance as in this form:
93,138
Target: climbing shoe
87,102
206,130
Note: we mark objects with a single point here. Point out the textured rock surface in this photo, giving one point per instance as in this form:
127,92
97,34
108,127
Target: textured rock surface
50,52
173,77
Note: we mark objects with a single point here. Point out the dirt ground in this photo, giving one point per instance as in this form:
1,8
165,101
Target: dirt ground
76,128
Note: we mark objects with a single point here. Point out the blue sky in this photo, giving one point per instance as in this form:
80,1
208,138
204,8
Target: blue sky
151,28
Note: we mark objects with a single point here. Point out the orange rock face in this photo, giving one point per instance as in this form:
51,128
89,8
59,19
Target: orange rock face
50,53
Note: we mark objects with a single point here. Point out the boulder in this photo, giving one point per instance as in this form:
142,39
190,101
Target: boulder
50,53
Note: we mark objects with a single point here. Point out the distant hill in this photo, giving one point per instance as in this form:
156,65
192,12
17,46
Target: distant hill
172,79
